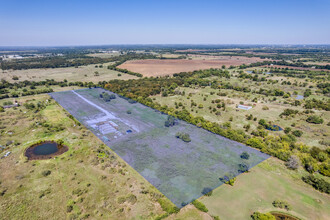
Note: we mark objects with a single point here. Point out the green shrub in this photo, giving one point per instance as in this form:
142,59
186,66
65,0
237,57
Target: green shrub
245,155
200,206
168,206
183,136
289,112
243,167
314,119
324,169
287,130
297,133
262,216
46,172
207,191
281,204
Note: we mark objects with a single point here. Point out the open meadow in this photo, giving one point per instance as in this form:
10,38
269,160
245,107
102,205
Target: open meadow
266,182
88,181
88,73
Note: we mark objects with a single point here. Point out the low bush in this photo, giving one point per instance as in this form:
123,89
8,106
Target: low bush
262,216
314,119
297,133
200,206
46,172
168,206
183,136
281,204
245,155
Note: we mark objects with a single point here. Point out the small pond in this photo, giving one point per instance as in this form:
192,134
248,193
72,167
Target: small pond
283,216
275,128
300,97
45,150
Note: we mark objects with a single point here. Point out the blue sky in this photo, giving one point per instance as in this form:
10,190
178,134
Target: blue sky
59,22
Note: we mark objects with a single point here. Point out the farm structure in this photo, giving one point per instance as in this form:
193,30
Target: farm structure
182,170
244,107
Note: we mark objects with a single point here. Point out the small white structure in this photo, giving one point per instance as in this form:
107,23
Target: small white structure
7,154
244,107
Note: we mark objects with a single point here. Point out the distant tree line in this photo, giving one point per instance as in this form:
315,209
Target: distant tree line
70,60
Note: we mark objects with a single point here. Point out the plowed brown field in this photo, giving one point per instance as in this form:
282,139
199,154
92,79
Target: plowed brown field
155,67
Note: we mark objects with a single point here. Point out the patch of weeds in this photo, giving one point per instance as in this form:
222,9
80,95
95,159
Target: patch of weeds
129,198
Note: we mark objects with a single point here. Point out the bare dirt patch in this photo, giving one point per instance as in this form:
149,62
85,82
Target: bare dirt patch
153,67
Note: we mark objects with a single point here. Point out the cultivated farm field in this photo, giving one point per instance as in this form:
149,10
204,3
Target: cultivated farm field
164,67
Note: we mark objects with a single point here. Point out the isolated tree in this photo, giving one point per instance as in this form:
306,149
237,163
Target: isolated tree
297,133
287,130
245,155
207,191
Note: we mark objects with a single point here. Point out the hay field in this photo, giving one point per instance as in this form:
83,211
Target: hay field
153,67
72,74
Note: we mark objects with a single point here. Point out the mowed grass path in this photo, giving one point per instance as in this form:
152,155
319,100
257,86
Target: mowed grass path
256,190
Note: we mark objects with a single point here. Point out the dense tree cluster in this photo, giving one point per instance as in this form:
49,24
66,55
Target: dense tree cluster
29,87
317,183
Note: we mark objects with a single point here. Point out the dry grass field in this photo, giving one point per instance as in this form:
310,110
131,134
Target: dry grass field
72,74
256,190
87,182
168,67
